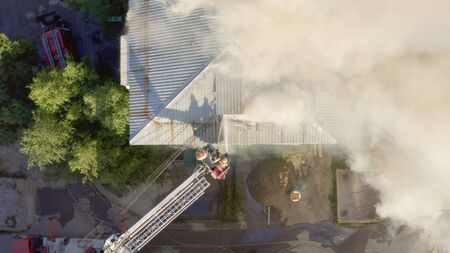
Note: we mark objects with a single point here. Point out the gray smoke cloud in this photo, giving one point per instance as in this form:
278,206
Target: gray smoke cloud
386,62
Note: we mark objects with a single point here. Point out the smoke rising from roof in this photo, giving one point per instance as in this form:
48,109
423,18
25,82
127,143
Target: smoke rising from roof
386,62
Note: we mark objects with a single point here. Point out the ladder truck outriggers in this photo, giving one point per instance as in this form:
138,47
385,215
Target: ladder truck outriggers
211,162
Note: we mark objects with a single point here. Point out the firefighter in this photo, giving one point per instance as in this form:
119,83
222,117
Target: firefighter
223,162
201,155
215,156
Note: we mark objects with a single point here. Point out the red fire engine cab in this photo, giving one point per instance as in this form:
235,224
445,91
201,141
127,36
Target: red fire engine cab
29,244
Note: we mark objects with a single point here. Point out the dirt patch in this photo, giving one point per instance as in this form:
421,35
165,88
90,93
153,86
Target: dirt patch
269,177
271,181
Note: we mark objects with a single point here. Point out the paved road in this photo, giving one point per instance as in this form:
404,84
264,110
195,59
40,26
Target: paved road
18,19
225,237
207,238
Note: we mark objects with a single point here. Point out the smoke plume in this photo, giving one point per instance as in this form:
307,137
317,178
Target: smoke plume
386,62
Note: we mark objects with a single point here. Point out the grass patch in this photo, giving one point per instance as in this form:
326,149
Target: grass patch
185,219
100,10
4,173
337,163
55,172
230,203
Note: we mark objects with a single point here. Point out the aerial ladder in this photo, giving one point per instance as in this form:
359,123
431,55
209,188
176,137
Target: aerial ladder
136,237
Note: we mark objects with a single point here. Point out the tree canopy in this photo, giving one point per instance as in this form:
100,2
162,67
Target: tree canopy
17,58
46,142
109,105
82,121
52,89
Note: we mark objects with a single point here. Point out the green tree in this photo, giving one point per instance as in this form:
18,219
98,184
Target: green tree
53,89
14,114
83,124
122,165
109,105
47,141
85,158
17,57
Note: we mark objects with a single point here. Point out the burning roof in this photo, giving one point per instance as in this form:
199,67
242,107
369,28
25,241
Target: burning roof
177,91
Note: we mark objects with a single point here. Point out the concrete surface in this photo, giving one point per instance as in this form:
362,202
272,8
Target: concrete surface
16,204
18,20
148,197
33,200
17,17
356,200
378,239
78,210
6,242
12,162
176,174
223,238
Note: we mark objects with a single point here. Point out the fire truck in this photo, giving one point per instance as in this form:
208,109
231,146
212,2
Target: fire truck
54,47
55,40
37,244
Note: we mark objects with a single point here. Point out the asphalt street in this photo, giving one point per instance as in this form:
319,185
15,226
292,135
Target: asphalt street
18,20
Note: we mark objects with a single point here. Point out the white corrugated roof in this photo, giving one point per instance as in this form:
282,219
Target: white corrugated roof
165,51
239,130
177,91
213,101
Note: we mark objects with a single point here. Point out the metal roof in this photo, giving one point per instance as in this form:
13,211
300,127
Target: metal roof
240,131
165,50
209,95
191,109
211,107
163,132
324,110
177,89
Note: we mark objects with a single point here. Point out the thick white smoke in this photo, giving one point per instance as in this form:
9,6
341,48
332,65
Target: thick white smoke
388,64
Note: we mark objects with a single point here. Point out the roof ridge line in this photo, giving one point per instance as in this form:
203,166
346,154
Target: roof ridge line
192,80
308,117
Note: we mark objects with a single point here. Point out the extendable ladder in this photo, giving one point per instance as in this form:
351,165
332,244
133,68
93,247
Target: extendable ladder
162,214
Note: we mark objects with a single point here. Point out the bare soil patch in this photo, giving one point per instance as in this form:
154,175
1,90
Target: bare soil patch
271,181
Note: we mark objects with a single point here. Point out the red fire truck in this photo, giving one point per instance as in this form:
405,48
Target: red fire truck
36,244
54,47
